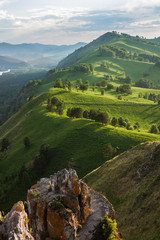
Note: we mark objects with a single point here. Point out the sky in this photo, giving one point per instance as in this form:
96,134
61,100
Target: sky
71,21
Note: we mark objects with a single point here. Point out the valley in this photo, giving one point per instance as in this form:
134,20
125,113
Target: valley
115,77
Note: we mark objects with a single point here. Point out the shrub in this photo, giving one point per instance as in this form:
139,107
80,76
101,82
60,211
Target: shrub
102,117
108,150
102,92
58,83
114,121
27,143
75,112
106,230
5,144
86,114
154,129
126,88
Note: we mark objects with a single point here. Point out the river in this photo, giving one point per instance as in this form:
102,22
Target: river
1,73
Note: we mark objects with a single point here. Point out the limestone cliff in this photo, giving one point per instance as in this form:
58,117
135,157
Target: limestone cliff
59,207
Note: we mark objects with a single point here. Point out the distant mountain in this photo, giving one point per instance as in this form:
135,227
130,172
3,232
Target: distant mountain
11,63
38,54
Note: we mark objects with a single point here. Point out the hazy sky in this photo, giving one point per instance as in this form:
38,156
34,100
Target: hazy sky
71,21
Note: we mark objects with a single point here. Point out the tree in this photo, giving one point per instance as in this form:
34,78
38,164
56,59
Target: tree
75,112
86,114
79,82
102,117
87,84
102,92
54,101
126,88
154,129
58,83
108,150
103,83
114,121
144,83
69,84
110,86
5,144
84,87
27,143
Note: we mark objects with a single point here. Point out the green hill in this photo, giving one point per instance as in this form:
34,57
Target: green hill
131,183
74,142
134,44
11,63
80,142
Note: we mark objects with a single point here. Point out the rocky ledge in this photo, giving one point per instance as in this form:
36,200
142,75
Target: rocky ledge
59,207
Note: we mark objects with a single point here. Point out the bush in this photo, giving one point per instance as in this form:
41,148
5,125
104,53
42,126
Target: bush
126,88
86,114
106,230
108,150
102,117
143,83
114,121
75,112
154,129
5,144
102,92
27,143
58,83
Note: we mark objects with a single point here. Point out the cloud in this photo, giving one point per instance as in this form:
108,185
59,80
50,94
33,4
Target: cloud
68,25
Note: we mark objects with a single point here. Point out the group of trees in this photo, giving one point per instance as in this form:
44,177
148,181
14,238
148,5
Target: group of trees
59,84
5,143
127,79
113,51
101,117
126,88
124,123
84,67
150,96
144,83
93,114
55,105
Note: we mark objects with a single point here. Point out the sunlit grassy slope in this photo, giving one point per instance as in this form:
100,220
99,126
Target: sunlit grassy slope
78,142
131,182
75,142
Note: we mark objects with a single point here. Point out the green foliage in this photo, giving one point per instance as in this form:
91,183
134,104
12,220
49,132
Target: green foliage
5,144
126,88
69,85
108,150
58,83
106,230
143,83
102,92
84,67
154,129
75,112
27,143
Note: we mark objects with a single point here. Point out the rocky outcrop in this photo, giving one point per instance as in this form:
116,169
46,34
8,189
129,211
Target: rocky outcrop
59,207
15,225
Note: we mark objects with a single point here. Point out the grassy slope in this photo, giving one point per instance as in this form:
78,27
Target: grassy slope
134,196
129,43
76,142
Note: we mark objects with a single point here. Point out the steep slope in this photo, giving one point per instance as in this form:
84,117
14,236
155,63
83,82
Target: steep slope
131,183
134,44
72,142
